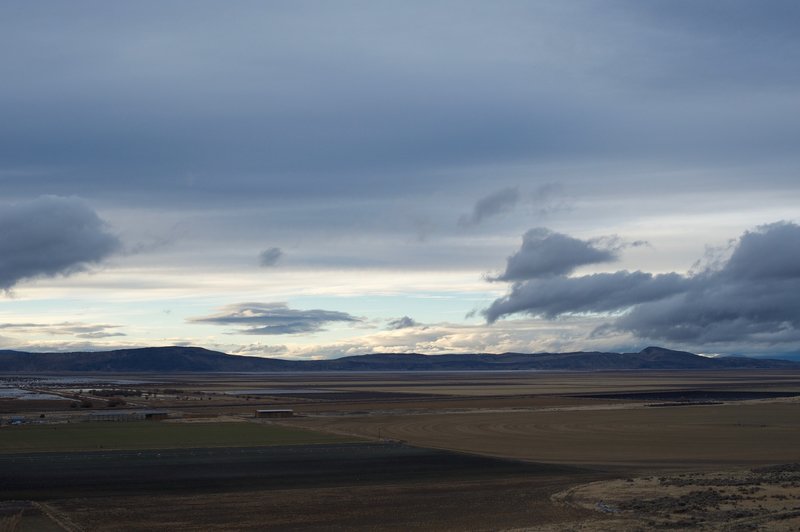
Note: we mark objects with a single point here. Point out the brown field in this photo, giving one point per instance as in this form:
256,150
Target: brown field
495,504
13,406
646,438
702,425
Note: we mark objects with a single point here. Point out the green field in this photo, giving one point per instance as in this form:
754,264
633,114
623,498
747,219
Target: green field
153,435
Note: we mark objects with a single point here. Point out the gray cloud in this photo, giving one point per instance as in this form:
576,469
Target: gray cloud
401,323
383,111
123,104
492,205
769,253
50,236
546,253
750,297
274,318
601,292
549,198
332,126
269,257
77,329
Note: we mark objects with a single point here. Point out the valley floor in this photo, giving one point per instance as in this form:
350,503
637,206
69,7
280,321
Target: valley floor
490,451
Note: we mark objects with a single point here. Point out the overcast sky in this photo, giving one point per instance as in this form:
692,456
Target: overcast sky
312,179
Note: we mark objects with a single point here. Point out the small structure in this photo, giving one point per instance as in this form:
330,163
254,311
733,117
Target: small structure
115,416
274,413
128,415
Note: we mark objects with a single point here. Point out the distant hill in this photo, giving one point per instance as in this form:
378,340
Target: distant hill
196,359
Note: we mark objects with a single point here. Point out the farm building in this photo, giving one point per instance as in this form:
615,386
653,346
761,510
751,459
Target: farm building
129,415
115,416
274,413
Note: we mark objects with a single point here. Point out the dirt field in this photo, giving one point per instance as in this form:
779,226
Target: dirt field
591,451
646,438
387,486
153,435
8,406
488,505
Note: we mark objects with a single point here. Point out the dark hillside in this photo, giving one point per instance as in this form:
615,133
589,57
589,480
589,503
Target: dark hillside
195,359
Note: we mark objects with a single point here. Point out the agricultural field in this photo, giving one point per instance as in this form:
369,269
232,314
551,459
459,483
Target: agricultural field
631,436
386,485
441,451
154,435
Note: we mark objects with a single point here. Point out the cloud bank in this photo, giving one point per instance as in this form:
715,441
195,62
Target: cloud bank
274,318
750,297
50,236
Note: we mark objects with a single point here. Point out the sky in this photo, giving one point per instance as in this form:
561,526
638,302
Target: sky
314,179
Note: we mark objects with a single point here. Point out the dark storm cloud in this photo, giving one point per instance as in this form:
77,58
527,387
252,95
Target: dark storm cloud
750,297
601,292
50,236
274,318
269,257
546,253
770,253
492,205
401,323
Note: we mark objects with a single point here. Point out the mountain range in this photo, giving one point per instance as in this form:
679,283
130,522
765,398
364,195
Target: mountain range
174,359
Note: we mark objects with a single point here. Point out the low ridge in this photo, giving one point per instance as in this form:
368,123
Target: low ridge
175,359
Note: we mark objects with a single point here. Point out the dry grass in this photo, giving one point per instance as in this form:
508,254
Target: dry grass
731,500
681,437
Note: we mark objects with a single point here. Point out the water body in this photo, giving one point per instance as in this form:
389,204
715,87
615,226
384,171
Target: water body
11,392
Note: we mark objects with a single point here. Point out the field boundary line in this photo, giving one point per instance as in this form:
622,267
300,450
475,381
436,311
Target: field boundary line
58,517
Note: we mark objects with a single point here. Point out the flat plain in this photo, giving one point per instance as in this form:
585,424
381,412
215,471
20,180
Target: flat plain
432,451
149,435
